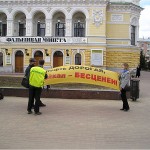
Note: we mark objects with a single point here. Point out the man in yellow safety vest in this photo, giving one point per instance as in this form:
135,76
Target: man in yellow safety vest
36,82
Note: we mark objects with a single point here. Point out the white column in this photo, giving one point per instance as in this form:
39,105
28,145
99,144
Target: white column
48,27
68,27
29,27
86,27
10,27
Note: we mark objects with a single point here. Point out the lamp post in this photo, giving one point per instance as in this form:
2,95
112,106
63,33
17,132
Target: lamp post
6,51
26,52
46,52
67,52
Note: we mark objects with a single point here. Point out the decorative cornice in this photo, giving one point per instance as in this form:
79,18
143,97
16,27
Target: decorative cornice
124,7
52,2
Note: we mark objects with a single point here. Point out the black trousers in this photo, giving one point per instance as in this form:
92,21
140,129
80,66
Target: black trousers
124,99
34,93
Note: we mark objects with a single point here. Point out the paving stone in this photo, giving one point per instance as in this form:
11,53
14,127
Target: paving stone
77,124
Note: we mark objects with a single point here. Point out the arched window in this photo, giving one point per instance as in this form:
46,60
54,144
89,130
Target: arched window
39,27
134,29
3,24
79,24
78,59
38,55
1,59
60,29
59,24
20,24
79,29
133,35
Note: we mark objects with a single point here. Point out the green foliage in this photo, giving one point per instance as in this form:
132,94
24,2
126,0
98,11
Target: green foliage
143,62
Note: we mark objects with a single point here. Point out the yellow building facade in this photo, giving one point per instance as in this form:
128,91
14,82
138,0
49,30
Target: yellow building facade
100,33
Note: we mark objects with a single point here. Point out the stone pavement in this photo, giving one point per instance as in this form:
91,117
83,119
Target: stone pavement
77,124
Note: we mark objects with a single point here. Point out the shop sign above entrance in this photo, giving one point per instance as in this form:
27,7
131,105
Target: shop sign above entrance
43,39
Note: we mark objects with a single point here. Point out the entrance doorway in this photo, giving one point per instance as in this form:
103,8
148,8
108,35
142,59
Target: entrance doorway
58,59
19,62
38,55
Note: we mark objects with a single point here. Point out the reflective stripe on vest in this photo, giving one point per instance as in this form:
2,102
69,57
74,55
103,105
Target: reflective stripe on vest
37,76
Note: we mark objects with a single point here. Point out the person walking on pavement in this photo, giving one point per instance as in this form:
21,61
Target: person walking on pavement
138,71
36,82
124,82
32,62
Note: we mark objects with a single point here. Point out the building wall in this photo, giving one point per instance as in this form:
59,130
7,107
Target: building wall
107,40
144,45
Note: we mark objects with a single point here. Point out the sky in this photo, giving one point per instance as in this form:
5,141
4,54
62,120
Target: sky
144,31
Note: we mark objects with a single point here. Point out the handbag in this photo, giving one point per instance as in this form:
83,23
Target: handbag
25,82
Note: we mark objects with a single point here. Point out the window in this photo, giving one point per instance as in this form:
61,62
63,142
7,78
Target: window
22,29
78,59
40,29
79,29
133,35
3,29
60,29
1,59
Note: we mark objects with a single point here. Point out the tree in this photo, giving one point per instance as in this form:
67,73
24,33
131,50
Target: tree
143,62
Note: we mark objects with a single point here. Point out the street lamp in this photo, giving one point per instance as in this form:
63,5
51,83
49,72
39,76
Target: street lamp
26,52
6,51
67,52
46,52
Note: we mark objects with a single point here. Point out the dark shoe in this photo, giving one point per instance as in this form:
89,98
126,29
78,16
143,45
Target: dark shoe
38,113
30,112
42,105
126,109
122,109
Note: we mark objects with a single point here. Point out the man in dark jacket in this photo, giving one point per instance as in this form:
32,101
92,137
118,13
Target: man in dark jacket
32,62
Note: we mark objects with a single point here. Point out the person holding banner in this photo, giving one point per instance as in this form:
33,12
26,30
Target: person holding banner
124,82
32,62
36,82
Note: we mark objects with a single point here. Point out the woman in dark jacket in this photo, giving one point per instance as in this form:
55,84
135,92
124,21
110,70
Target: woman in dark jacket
138,70
124,82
